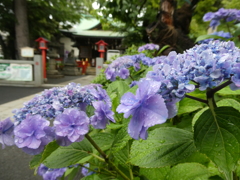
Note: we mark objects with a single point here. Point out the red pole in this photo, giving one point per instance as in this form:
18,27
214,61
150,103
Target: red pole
101,54
44,64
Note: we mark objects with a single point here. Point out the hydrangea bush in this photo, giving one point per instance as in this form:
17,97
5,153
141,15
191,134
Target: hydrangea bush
156,118
226,19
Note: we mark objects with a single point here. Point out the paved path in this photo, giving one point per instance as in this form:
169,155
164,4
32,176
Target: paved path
14,163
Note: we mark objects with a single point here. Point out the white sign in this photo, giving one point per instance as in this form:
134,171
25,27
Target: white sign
16,72
27,52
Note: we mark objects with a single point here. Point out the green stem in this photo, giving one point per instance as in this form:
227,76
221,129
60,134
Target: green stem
227,83
105,157
131,173
210,94
197,99
131,77
99,158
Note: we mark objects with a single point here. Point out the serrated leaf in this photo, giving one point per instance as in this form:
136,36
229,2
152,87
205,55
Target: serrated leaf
217,134
68,155
188,171
188,105
155,173
122,156
103,140
120,86
164,146
121,139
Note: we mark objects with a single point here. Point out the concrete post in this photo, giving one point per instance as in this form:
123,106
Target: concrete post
99,65
38,72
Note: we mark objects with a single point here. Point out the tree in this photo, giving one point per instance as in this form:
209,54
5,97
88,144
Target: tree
45,18
21,25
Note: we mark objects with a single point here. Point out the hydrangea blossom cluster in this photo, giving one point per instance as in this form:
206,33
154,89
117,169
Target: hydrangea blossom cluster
208,65
6,132
222,14
148,47
50,174
66,107
223,34
120,67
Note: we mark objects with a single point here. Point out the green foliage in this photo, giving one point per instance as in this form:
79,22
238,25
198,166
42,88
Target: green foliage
164,147
217,135
78,152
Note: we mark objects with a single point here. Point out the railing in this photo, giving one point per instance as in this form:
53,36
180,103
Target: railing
37,73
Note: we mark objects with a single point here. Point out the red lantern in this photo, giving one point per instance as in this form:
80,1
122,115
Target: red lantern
42,43
101,47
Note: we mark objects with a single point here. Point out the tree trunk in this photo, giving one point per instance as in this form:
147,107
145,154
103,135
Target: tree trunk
172,26
21,26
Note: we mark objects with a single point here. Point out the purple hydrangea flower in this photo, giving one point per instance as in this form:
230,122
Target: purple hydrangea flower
222,14
6,132
120,67
146,107
73,124
102,115
148,47
61,105
31,132
50,174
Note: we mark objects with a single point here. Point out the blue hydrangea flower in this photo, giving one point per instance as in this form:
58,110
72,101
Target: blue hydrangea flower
146,107
65,106
102,115
222,14
148,47
50,174
29,133
73,124
6,132
120,67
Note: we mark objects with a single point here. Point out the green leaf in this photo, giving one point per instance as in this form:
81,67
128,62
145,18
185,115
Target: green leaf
103,140
71,172
164,146
122,156
114,126
133,89
155,173
69,155
36,161
121,139
92,177
120,86
162,49
228,91
51,147
229,102
189,105
209,36
188,171
217,134
198,114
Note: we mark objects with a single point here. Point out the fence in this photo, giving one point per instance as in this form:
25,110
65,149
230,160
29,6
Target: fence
36,74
